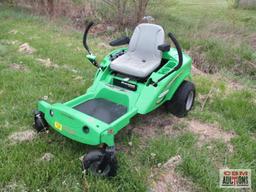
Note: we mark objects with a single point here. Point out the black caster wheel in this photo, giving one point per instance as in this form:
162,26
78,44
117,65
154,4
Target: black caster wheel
101,163
40,123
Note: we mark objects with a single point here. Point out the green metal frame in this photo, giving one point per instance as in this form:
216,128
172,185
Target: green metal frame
70,122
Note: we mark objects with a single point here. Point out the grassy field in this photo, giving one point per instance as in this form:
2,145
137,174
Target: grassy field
219,132
218,38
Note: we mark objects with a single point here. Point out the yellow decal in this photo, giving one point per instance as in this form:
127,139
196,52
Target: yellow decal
57,125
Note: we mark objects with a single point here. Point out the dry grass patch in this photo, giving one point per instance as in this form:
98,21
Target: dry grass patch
158,122
21,136
166,179
208,132
47,157
200,65
196,71
47,63
18,67
14,186
253,41
26,49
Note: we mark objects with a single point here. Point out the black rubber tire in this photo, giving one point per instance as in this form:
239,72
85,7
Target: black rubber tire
40,123
177,105
92,160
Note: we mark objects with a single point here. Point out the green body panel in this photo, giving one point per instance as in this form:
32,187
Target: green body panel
70,122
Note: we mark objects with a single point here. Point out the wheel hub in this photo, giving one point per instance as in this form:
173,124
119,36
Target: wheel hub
190,100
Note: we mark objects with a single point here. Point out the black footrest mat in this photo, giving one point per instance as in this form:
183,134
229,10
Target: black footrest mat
102,109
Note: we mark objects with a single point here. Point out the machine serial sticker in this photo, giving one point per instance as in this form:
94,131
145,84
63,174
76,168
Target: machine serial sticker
58,126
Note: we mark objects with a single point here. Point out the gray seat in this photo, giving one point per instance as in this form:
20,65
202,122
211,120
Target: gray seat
143,56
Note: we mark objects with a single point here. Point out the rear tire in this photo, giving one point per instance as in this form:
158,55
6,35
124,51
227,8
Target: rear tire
183,100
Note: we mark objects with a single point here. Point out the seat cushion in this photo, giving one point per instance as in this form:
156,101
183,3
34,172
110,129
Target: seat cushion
143,56
131,64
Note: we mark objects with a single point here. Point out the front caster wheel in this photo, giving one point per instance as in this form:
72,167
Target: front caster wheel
40,124
100,163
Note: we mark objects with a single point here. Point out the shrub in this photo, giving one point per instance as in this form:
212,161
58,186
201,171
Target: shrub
118,12
123,12
233,3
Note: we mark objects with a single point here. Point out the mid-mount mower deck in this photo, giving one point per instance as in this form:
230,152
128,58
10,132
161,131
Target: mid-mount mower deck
129,81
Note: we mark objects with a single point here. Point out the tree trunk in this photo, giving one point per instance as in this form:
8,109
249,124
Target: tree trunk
141,9
50,7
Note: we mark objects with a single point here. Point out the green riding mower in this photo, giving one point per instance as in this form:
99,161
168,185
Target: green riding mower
135,79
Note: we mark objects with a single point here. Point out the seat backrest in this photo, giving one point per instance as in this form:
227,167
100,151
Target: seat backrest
145,40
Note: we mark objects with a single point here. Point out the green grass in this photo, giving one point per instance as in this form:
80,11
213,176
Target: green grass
19,91
222,36
161,148
234,110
